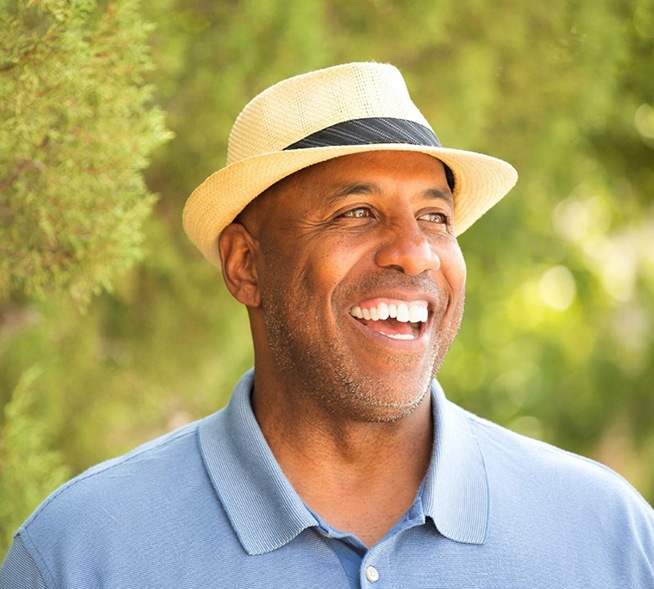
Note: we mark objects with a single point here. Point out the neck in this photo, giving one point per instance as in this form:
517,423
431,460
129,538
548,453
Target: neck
361,477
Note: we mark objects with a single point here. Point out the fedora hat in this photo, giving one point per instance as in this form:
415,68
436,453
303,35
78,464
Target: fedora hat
322,115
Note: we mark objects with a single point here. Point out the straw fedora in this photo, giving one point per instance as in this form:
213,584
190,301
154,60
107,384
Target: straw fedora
322,115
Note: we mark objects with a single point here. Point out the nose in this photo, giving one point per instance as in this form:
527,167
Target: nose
406,248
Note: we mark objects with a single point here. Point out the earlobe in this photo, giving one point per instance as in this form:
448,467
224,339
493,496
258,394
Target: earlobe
237,255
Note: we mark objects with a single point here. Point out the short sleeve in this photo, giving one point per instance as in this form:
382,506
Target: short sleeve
19,571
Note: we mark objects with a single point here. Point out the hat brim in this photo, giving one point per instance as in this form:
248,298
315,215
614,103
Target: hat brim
480,182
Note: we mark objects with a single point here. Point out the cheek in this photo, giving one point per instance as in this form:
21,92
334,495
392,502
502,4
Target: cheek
305,285
453,266
329,267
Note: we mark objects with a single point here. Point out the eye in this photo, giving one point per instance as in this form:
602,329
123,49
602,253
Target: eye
358,213
438,218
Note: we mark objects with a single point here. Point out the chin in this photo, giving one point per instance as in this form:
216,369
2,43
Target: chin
373,400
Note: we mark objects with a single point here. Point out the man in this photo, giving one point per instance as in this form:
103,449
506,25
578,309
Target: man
338,461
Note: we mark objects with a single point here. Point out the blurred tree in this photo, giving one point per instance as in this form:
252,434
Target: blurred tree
28,468
78,127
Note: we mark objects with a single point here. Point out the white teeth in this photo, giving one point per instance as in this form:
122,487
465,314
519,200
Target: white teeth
415,314
402,336
403,312
383,311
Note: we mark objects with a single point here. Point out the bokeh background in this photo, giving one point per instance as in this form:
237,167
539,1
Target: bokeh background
113,329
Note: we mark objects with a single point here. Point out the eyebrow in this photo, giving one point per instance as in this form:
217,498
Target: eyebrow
346,190
349,189
440,194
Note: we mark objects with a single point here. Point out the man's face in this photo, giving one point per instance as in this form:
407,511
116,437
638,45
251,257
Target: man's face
361,281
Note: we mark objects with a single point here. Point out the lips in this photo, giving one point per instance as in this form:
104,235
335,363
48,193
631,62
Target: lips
395,319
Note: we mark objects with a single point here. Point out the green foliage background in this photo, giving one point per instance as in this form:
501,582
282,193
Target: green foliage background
113,329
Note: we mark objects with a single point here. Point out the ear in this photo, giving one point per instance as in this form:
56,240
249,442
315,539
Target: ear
238,250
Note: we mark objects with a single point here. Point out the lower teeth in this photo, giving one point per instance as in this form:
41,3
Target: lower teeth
401,336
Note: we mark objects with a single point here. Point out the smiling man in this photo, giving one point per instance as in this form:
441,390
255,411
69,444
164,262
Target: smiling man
338,461
354,293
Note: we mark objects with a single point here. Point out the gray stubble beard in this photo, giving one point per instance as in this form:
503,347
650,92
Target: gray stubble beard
340,392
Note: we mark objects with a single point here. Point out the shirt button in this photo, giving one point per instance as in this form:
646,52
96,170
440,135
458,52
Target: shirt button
372,574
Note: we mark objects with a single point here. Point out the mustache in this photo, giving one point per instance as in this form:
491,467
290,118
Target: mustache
384,281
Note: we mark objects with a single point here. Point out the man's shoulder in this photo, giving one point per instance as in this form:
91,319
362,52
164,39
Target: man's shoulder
123,483
156,499
521,451
540,466
152,517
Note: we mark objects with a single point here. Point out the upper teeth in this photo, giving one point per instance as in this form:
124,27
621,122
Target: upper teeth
403,312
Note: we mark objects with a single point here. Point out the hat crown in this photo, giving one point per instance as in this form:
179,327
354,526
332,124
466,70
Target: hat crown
302,105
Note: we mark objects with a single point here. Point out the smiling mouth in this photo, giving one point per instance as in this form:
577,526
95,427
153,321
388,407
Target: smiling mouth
399,320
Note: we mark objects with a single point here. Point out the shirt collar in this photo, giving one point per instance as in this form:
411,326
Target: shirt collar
456,494
266,512
264,509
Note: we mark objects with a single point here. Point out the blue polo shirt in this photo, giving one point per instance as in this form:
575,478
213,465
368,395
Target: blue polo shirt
207,506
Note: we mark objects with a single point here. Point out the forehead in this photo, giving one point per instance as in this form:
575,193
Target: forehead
374,169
